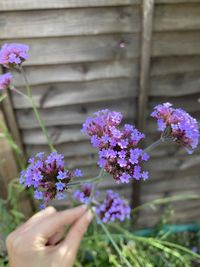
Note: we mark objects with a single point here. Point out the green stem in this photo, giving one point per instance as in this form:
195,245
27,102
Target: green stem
112,241
154,145
92,180
100,177
151,240
162,201
37,115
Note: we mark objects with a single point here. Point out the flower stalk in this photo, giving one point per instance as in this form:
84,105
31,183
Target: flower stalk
37,114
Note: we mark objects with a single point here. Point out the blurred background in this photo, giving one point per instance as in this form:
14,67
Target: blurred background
125,55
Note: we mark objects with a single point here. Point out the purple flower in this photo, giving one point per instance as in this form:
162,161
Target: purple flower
113,208
12,55
118,149
38,194
78,173
5,80
47,176
83,195
178,125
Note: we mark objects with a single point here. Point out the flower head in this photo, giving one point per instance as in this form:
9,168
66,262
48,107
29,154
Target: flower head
83,195
118,151
13,54
113,208
5,80
178,125
47,176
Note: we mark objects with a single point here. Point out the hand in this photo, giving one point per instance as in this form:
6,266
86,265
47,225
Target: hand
38,242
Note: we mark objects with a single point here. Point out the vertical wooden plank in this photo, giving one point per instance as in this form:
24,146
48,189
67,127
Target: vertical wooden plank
146,40
8,165
11,122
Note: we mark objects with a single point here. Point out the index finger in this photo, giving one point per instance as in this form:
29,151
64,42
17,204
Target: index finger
51,224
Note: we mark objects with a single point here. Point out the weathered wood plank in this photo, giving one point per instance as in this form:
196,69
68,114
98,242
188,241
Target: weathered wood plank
80,49
78,72
49,4
70,22
147,22
62,94
176,43
174,64
175,1
89,71
54,95
6,5
180,185
107,47
8,165
189,103
175,85
73,115
98,48
177,17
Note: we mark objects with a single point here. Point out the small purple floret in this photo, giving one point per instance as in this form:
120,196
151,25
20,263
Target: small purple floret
113,208
83,195
177,124
118,151
47,176
5,80
13,54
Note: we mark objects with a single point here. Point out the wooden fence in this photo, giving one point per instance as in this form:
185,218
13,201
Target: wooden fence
126,55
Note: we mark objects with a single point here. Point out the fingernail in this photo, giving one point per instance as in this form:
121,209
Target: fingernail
89,215
84,207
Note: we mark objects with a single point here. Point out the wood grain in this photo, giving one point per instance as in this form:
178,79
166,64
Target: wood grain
174,65
177,17
72,22
176,43
81,48
49,4
75,114
62,94
78,72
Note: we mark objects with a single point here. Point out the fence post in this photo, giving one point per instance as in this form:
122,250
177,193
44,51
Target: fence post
146,40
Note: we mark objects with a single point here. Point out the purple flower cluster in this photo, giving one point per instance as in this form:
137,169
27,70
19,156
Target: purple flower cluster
118,151
83,195
13,54
5,80
113,208
178,125
47,176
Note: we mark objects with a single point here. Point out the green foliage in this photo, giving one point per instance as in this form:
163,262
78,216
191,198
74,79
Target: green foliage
96,250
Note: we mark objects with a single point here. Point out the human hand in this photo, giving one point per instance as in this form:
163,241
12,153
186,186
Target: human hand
38,242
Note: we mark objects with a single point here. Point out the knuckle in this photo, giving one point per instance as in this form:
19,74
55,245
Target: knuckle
50,210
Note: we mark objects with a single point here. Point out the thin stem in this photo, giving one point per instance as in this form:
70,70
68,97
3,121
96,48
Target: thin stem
92,180
19,93
162,201
154,145
112,241
37,115
100,177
